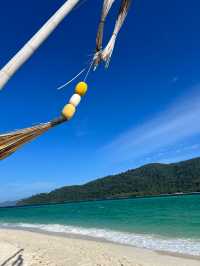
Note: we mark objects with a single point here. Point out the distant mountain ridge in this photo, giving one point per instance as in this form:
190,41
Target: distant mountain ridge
8,203
151,179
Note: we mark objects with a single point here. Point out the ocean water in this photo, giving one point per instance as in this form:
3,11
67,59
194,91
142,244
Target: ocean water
159,223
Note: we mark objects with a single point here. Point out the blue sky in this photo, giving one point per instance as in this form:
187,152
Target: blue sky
144,108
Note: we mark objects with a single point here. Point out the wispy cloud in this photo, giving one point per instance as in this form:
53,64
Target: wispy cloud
180,122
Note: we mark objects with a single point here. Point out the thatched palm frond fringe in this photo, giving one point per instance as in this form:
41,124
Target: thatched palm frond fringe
107,4
11,142
106,53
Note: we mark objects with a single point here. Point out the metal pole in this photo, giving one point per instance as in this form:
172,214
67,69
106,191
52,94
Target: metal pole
33,44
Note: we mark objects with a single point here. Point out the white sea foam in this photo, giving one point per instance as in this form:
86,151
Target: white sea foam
183,246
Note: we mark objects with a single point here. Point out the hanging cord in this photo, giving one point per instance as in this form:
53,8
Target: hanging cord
70,81
89,70
78,75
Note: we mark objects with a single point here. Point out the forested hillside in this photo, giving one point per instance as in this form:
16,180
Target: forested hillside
151,179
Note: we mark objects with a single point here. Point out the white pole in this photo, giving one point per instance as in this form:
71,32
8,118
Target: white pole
33,44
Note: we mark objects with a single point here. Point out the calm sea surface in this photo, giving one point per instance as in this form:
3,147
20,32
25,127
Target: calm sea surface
160,223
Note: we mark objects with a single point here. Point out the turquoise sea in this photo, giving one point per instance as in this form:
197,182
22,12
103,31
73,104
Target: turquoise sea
159,223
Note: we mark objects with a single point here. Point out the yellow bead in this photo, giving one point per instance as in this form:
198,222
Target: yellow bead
68,111
81,88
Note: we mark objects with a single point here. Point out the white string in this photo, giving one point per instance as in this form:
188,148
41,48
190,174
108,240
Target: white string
64,85
88,72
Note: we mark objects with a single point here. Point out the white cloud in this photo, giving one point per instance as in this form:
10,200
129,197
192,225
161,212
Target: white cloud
180,122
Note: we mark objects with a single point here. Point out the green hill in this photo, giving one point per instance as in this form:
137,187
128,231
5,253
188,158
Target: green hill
151,179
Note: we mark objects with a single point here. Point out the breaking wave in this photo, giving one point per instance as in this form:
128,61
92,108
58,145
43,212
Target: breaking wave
183,246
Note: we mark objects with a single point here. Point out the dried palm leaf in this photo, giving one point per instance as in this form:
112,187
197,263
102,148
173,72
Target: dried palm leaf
108,51
106,54
11,142
107,4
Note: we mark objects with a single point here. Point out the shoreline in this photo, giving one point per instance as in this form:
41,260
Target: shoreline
117,253
102,239
178,194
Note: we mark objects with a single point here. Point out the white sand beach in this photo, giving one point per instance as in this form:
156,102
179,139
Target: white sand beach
32,249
